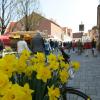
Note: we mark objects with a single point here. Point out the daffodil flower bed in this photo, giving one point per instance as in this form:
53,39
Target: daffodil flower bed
32,78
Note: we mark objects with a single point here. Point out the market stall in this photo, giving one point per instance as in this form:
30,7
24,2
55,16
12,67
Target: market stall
5,39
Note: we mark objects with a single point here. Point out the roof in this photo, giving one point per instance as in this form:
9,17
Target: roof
55,23
42,17
10,27
48,19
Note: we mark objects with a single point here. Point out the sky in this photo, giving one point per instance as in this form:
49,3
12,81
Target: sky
71,13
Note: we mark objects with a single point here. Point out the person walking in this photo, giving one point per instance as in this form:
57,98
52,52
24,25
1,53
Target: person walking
93,44
47,47
79,47
52,45
37,44
21,45
73,46
13,43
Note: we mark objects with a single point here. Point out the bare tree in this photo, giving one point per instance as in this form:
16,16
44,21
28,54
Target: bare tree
27,14
6,13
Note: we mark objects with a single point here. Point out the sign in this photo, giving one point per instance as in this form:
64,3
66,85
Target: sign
81,27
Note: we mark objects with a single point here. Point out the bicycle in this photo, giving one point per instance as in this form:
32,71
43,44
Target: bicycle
78,95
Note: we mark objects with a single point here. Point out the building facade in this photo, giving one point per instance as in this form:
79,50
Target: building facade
50,28
93,33
67,34
45,26
77,36
98,25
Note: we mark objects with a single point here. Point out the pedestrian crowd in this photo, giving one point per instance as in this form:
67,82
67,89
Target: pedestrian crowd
80,47
47,46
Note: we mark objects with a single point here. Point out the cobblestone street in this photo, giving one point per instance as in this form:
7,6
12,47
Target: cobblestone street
87,79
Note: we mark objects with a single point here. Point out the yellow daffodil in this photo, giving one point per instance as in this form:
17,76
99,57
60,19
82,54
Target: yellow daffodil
36,66
88,98
75,65
64,76
40,57
27,92
43,73
3,80
25,54
21,66
7,64
28,71
9,58
4,90
52,57
54,93
60,57
14,93
67,66
27,66
34,60
62,64
53,65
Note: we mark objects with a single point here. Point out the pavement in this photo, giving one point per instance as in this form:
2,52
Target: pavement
87,79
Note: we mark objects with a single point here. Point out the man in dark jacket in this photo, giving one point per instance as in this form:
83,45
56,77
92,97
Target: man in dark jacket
37,44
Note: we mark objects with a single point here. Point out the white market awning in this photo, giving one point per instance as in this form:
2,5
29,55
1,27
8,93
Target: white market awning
67,39
55,38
